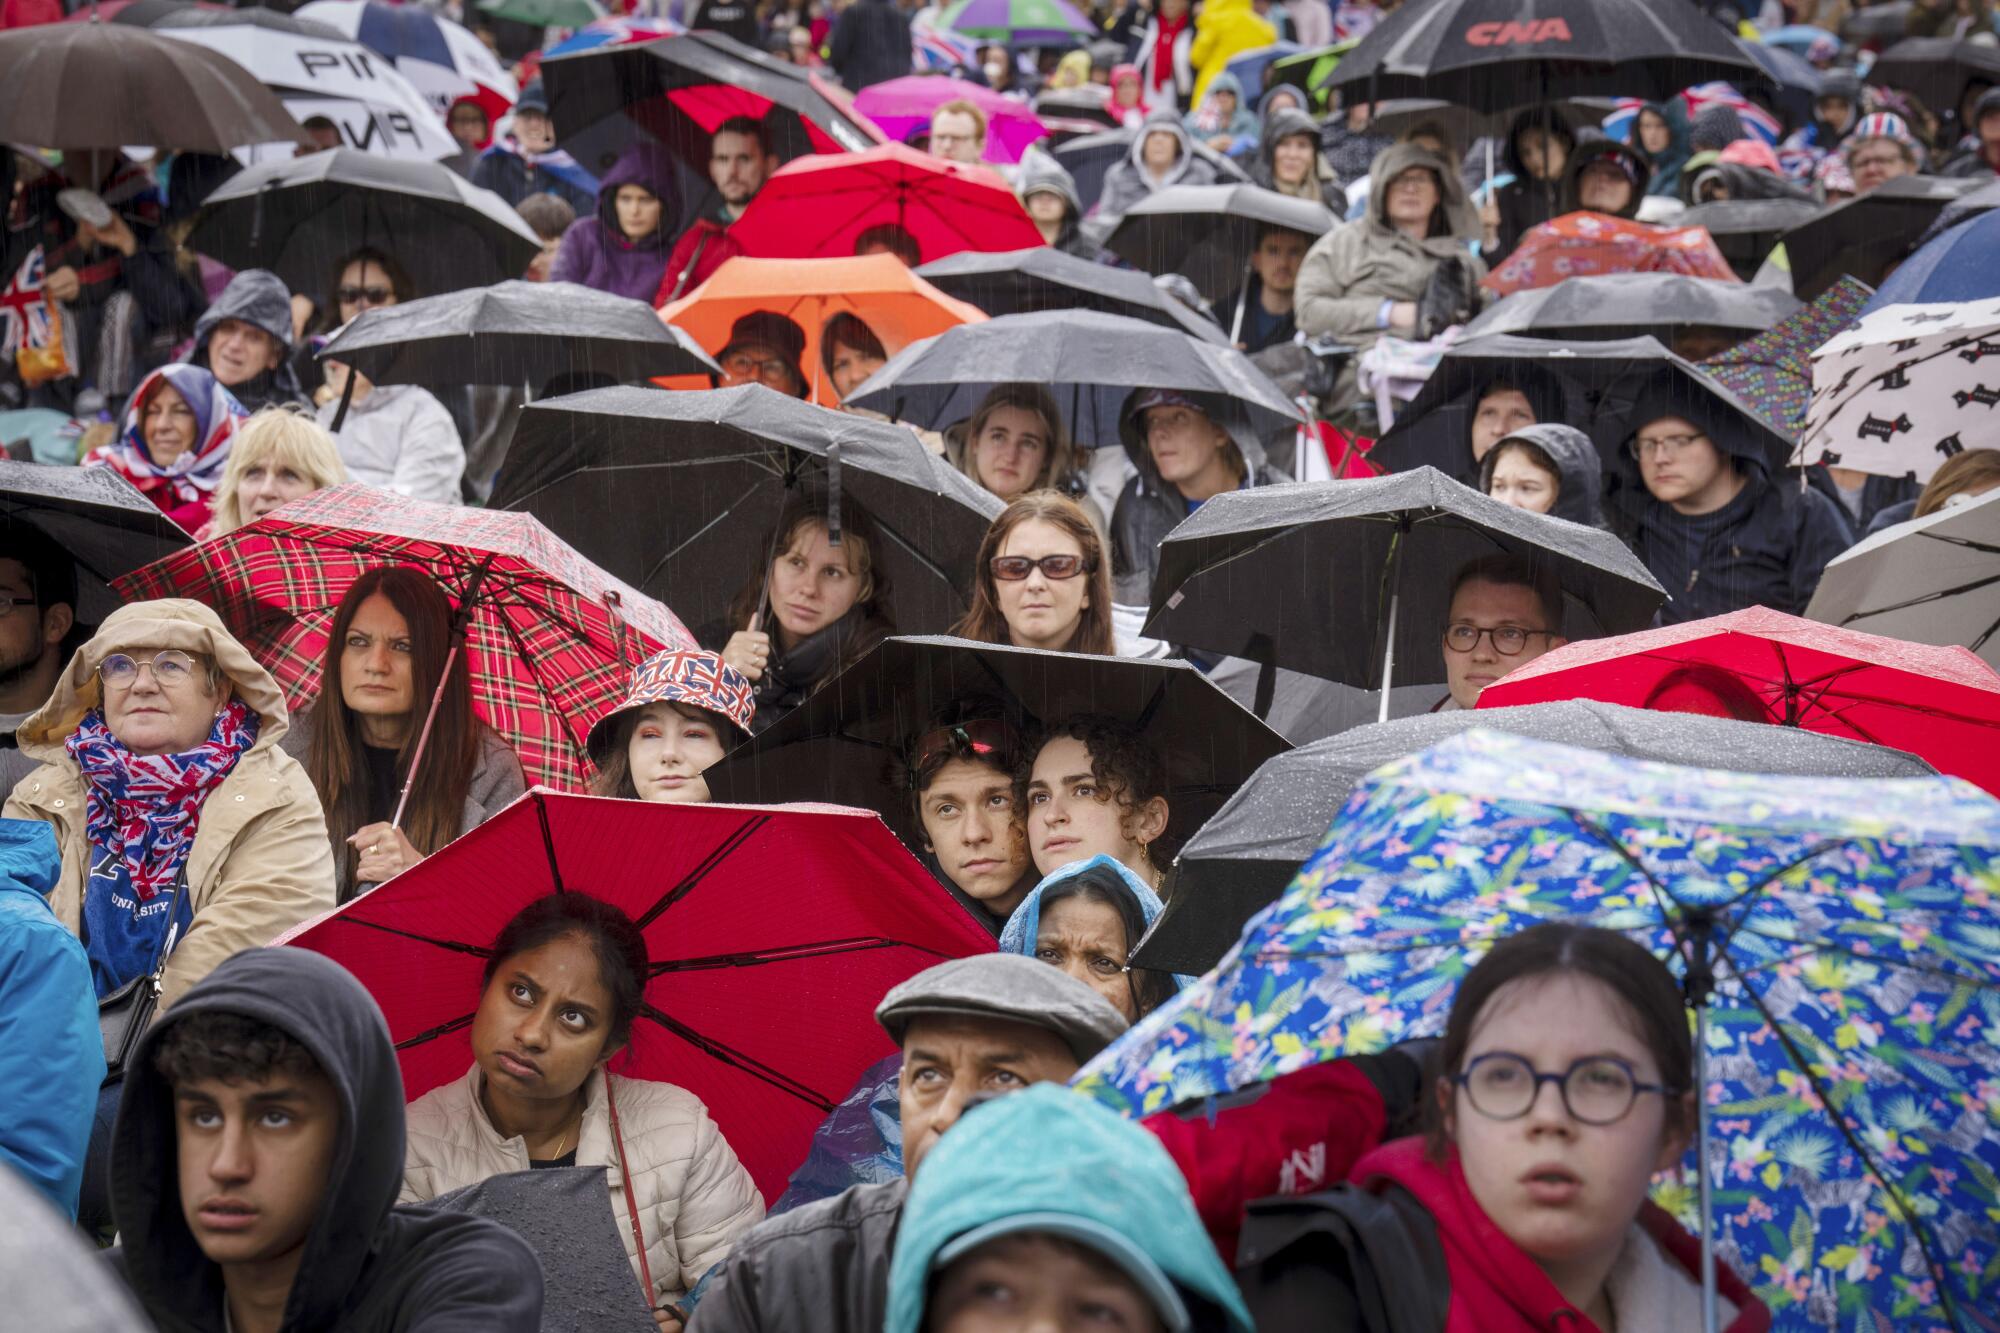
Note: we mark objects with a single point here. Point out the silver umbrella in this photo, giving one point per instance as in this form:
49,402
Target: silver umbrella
1934,579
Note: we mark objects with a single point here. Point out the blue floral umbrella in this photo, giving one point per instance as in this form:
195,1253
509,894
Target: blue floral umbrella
1844,935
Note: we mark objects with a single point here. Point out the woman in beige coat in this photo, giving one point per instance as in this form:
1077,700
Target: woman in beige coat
561,989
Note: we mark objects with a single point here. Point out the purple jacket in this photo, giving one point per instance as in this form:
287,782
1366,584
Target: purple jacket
597,254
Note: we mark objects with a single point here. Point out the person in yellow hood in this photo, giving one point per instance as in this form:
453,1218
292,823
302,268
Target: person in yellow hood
1224,30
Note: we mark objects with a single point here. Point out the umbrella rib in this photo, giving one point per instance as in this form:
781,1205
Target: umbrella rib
661,563
456,946
897,537
784,954
736,1059
548,841
1803,949
721,852
441,1030
1941,594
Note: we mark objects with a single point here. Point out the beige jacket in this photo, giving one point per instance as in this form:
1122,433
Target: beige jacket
694,1197
260,863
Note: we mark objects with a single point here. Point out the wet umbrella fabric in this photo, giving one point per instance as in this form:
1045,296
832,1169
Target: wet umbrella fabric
1091,362
772,934
1088,157
1243,858
1584,244
299,217
100,519
1940,704
1935,70
1041,278
1746,230
1631,305
104,85
441,58
676,493
903,107
845,743
550,639
1968,205
1865,236
1772,372
1206,233
1957,265
1843,973
1934,579
1351,580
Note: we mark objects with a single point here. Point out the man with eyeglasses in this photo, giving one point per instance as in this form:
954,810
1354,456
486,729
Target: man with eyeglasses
1506,611
764,348
958,132
37,615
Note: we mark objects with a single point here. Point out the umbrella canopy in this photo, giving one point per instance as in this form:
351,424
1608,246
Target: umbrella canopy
615,32
1492,55
1581,244
1941,704
1206,233
902,107
300,216
1631,305
1088,157
1794,79
1075,104
544,13
550,639
97,516
1018,22
441,58
1934,579
818,207
1249,67
518,333
1091,362
1874,22
1772,372
1956,265
1866,236
1746,230
676,492
1971,204
1242,859
897,306
105,85
1259,574
1041,278
844,742
1905,389
1830,933
772,934
1935,70
1397,116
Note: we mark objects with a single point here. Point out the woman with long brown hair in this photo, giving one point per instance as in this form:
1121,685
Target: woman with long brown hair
385,653
1042,580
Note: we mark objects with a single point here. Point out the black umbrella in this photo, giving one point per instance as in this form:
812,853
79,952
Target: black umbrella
1076,104
1351,580
1495,54
1398,116
104,85
1632,305
1746,230
843,743
1866,23
300,216
536,334
675,492
1088,157
1027,282
98,517
1206,232
1963,209
1864,237
1793,78
1243,858
1936,70
1091,362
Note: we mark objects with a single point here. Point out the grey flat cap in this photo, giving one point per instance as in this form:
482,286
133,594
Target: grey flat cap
1011,987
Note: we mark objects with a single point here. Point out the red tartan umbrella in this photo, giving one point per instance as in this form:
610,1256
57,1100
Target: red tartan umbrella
817,206
1584,244
1940,704
773,933
550,638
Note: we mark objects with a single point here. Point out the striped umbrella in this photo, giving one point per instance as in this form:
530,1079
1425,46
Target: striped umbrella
442,59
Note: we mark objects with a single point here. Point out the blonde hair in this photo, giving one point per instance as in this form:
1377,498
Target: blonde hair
283,435
1060,460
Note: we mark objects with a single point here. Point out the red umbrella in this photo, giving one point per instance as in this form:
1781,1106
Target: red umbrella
818,206
1940,704
773,933
550,639
1583,244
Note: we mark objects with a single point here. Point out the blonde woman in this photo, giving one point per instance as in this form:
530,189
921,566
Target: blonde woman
280,454
1015,443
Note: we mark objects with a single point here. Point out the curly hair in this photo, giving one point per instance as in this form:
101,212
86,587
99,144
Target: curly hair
233,1048
1125,766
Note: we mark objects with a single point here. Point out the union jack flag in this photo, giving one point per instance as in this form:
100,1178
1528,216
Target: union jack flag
1618,125
24,310
935,52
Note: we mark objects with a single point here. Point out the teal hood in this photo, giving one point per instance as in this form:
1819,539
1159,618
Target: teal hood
1018,935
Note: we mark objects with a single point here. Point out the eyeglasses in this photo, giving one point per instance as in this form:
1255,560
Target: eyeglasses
170,666
1875,161
1508,640
364,295
988,739
1013,568
1597,1090
743,366
1666,446
7,605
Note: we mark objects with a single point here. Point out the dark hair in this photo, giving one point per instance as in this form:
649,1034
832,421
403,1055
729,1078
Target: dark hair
622,959
231,1047
1099,884
906,773
896,239
1123,763
983,620
546,215
847,329
1537,457
1517,571
51,569
1735,698
747,126
399,281
1269,229
1649,995
614,775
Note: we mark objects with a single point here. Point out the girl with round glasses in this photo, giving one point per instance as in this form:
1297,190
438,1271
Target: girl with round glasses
1042,580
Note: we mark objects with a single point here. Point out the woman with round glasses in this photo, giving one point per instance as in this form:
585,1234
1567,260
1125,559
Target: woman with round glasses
1042,580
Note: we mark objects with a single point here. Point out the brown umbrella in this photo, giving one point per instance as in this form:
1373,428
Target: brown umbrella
103,85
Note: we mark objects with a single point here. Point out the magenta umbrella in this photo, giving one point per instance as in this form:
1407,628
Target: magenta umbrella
902,107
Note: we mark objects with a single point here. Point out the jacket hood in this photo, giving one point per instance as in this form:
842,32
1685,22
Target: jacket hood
255,296
1165,118
1665,165
1579,470
1634,164
1283,123
1040,171
1040,1158
318,1003
1461,218
1534,116
1220,410
644,162
1687,398
1268,105
1018,936
171,622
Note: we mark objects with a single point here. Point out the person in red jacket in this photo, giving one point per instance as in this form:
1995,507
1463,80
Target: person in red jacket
740,160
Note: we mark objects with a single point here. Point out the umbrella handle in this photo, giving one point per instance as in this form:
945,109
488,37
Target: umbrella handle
1708,1311
346,398
424,736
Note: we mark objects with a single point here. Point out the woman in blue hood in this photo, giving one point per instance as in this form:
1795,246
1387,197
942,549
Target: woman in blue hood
1086,919
623,247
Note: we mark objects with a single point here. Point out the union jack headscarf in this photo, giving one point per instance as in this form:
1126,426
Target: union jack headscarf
196,473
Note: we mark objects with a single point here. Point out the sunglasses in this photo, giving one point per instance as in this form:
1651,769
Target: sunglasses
359,295
1013,568
988,739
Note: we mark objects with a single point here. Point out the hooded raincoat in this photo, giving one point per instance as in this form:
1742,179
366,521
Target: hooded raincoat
259,297
1206,121
1527,201
260,862
1579,470
1129,181
1320,186
597,253
185,488
368,1265
1040,173
1666,165
1632,163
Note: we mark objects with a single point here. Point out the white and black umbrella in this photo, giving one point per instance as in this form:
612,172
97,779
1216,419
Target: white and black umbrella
1934,579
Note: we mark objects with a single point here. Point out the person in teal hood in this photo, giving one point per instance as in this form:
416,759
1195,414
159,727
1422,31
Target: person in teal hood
1659,134
1222,120
1043,1199
1086,919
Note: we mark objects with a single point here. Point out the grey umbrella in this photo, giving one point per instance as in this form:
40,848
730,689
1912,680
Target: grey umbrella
1746,230
55,1281
1935,579
1244,857
1034,281
1629,305
1206,232
97,516
1867,236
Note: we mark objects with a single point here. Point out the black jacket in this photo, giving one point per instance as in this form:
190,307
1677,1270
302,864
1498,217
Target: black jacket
870,44
368,1265
824,1266
1252,295
1524,201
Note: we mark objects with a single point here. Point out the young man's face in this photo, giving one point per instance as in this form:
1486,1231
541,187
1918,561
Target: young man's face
968,817
955,137
27,633
1510,608
1277,258
738,167
1498,414
254,1162
534,131
1679,463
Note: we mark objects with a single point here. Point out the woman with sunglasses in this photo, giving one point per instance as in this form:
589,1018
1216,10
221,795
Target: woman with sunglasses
1042,580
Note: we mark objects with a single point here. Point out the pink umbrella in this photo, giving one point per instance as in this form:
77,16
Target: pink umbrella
901,107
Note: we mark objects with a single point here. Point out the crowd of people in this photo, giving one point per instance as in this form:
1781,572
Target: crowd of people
189,790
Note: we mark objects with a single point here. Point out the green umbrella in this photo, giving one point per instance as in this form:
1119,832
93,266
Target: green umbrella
1310,70
1018,22
545,13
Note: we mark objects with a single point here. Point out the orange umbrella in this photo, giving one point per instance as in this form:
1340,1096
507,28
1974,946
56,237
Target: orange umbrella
880,290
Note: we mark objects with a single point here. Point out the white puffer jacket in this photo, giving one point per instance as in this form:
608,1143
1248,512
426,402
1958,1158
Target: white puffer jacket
694,1197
